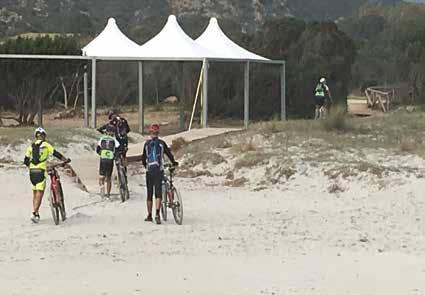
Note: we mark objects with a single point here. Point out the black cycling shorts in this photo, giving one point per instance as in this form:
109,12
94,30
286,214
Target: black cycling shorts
154,182
319,101
106,167
37,176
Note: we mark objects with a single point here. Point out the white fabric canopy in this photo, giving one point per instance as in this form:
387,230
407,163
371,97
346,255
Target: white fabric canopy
111,43
173,42
215,40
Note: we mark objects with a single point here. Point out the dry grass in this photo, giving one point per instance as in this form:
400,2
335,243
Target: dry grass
335,188
239,182
337,120
196,159
178,143
250,159
244,147
408,144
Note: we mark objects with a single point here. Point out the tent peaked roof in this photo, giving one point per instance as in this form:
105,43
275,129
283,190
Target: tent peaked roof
173,42
111,42
215,40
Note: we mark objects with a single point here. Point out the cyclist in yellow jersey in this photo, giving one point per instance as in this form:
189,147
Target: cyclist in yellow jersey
35,159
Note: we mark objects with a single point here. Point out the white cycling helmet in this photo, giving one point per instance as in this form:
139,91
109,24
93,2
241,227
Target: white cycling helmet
322,80
39,130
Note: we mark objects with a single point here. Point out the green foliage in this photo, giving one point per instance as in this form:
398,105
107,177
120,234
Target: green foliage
312,50
391,42
27,83
336,120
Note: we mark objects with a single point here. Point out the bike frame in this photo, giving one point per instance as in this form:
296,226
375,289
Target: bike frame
54,184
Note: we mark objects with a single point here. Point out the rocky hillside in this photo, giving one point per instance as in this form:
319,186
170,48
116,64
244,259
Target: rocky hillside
18,16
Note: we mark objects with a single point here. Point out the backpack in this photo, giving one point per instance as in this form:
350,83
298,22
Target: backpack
107,146
36,152
122,127
154,155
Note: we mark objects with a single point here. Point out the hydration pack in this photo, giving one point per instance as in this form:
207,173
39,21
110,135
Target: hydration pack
36,152
154,155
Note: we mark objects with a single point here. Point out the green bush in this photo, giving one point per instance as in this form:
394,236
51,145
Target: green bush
336,120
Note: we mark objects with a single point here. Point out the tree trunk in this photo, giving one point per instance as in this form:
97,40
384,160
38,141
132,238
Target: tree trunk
65,94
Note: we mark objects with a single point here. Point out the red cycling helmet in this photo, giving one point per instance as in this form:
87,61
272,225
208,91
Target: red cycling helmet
154,128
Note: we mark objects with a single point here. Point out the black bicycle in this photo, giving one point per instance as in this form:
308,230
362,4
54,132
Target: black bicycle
122,177
56,197
171,197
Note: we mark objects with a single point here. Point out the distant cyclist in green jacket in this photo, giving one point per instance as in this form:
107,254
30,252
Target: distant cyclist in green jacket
321,94
106,149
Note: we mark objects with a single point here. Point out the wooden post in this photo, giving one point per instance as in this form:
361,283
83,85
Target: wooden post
205,95
86,101
93,92
246,94
141,102
283,92
196,98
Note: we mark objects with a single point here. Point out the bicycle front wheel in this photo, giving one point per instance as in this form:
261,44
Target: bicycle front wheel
123,184
54,208
164,202
177,207
61,203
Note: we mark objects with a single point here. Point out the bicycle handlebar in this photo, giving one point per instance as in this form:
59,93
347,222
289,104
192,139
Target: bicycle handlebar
62,164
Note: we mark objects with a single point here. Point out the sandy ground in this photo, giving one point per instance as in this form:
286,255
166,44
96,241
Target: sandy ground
298,239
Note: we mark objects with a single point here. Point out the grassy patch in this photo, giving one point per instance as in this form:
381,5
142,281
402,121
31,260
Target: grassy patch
177,144
250,160
337,120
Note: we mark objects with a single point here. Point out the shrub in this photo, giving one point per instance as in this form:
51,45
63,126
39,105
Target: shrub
407,144
336,120
250,160
177,144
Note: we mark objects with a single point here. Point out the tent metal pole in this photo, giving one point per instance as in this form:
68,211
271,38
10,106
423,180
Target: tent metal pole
141,102
283,91
86,101
246,94
93,92
205,95
40,113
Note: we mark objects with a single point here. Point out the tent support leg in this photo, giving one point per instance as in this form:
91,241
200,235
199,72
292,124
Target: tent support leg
283,91
141,102
93,92
40,112
246,94
205,95
86,101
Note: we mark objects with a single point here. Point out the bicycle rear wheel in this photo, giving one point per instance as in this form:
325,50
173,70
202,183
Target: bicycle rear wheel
164,201
177,207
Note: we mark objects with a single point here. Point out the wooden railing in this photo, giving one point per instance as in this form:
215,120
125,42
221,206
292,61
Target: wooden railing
380,97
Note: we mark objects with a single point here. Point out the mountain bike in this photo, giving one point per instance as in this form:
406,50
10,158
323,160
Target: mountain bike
56,197
171,197
122,177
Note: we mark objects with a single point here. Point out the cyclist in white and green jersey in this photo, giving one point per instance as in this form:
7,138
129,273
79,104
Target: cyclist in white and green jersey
106,149
321,93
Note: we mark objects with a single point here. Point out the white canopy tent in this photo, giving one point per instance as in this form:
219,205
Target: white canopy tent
215,40
171,44
111,42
